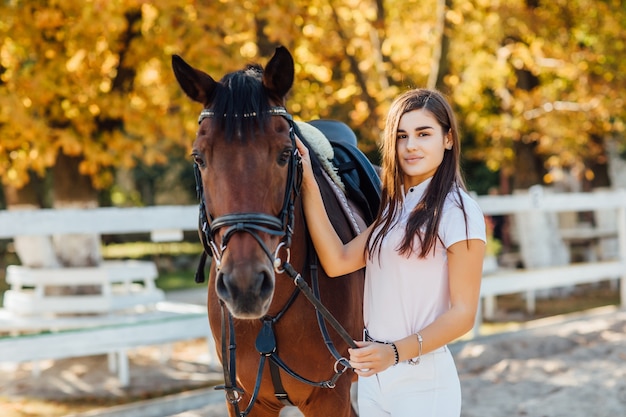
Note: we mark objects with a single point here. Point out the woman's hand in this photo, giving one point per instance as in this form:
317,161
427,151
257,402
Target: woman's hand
337,258
371,358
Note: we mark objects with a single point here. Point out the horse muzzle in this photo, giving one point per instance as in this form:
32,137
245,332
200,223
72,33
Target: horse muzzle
247,289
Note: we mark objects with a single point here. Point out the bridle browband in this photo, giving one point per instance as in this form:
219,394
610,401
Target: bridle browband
253,223
273,111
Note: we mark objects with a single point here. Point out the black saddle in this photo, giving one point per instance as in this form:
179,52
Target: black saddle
359,176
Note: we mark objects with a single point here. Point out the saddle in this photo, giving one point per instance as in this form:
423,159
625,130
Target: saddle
359,177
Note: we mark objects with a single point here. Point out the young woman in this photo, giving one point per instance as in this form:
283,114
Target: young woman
423,256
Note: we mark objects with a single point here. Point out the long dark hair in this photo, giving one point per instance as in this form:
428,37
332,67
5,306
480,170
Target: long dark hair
426,216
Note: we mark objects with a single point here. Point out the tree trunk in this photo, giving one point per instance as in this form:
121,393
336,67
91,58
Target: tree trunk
616,161
529,169
439,64
598,164
29,195
74,190
32,251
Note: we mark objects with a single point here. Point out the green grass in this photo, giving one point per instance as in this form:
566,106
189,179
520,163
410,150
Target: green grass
136,250
172,276
177,280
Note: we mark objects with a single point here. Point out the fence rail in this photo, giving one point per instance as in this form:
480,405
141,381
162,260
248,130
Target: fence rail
530,209
122,317
103,220
546,244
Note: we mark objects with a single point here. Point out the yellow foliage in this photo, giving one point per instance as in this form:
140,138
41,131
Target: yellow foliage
93,78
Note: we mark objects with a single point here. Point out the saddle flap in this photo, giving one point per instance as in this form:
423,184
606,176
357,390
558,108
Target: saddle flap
357,173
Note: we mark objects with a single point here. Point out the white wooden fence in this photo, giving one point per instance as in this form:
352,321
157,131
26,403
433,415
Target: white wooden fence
533,206
125,312
539,233
103,220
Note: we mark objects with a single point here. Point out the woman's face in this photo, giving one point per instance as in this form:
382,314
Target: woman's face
420,144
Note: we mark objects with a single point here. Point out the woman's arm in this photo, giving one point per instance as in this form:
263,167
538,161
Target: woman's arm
336,257
465,269
465,265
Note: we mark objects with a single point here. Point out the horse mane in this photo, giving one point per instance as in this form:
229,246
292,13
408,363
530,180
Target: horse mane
240,102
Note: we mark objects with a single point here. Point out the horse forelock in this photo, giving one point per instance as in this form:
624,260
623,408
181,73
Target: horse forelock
241,104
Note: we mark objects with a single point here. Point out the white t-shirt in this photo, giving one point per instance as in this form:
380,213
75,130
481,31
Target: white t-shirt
404,295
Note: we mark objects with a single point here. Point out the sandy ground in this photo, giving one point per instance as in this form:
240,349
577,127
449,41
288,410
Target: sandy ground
573,366
82,384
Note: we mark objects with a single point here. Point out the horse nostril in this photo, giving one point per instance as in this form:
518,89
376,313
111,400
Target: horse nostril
247,294
267,284
225,291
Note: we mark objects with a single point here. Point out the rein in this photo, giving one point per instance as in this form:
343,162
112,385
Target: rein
282,226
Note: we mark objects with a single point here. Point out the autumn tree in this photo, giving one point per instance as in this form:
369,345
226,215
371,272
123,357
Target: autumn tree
84,93
540,84
86,87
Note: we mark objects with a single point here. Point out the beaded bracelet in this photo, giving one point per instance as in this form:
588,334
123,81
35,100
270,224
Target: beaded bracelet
395,352
419,352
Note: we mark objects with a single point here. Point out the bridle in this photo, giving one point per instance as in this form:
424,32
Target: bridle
282,226
254,223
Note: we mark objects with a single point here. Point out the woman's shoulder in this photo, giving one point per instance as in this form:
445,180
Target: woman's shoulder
462,200
463,218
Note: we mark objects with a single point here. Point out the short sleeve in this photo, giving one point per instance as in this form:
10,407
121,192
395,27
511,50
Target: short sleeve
452,228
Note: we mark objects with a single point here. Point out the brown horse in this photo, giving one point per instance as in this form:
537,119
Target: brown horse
248,174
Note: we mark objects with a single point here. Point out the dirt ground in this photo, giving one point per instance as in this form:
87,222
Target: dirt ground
572,366
83,384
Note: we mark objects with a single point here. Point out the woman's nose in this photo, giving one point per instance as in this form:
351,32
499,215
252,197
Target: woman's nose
411,142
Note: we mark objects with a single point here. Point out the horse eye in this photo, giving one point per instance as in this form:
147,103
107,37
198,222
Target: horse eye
197,159
284,157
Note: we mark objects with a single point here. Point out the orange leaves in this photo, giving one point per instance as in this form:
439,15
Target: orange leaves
78,77
47,19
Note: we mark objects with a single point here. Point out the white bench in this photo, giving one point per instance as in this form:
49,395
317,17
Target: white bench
119,285
124,308
112,334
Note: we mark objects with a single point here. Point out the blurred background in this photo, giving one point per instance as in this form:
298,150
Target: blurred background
90,113
91,116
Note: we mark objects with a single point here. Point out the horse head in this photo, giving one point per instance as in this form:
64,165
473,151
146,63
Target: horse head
246,167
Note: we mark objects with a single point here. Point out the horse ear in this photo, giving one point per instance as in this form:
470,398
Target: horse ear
279,73
198,85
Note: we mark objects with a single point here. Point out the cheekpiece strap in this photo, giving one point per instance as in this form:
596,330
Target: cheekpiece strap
274,111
